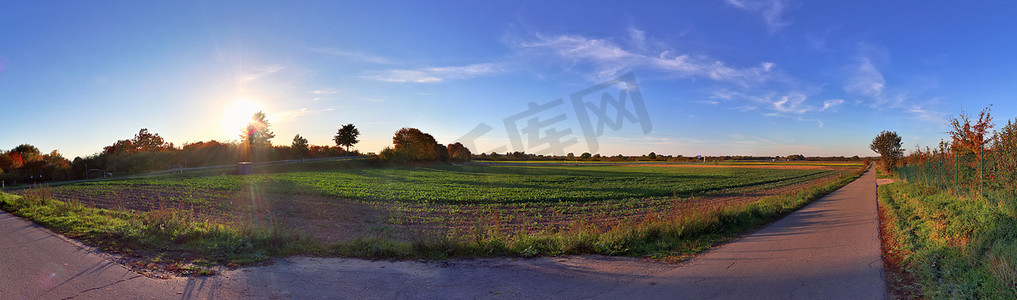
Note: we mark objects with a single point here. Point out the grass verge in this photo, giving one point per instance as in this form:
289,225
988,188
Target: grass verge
880,174
176,235
171,235
953,248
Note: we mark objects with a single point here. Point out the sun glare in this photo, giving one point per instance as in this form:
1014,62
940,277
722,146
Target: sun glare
236,114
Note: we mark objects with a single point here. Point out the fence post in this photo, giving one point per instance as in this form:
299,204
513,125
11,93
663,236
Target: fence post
953,183
981,167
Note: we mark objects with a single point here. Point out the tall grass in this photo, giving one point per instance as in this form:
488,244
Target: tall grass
956,248
162,232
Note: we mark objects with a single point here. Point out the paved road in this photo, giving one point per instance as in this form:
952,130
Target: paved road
37,264
827,250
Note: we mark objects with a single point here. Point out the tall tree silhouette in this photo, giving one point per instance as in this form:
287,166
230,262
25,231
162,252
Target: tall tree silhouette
347,136
148,142
257,133
300,145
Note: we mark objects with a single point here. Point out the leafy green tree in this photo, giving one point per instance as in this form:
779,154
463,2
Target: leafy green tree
300,146
415,145
10,161
459,153
54,157
146,141
586,155
28,153
796,157
1005,145
347,136
1006,138
888,145
257,133
652,156
571,156
121,146
441,152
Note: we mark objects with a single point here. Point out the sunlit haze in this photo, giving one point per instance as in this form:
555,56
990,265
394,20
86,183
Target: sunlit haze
237,113
716,77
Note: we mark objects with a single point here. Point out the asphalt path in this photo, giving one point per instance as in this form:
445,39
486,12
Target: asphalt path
827,250
38,264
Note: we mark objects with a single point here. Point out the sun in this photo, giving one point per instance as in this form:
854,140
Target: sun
236,114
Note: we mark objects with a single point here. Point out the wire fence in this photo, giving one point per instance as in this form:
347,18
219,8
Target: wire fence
990,176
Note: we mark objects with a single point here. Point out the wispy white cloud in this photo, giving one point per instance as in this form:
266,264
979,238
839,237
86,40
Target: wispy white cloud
831,103
723,94
790,103
435,74
865,79
793,103
608,59
290,115
287,116
637,38
260,73
357,56
325,91
772,11
746,108
723,144
739,138
927,115
818,121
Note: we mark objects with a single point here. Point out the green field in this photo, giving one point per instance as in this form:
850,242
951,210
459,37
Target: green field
354,208
482,184
692,163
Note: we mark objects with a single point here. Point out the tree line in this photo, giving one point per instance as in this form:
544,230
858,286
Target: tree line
968,137
147,151
25,163
650,157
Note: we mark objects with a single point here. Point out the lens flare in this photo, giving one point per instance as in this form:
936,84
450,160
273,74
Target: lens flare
237,114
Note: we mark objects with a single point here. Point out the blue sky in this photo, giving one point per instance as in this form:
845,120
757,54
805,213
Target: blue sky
733,77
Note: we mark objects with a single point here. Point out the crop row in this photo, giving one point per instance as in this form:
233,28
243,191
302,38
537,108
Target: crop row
484,184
